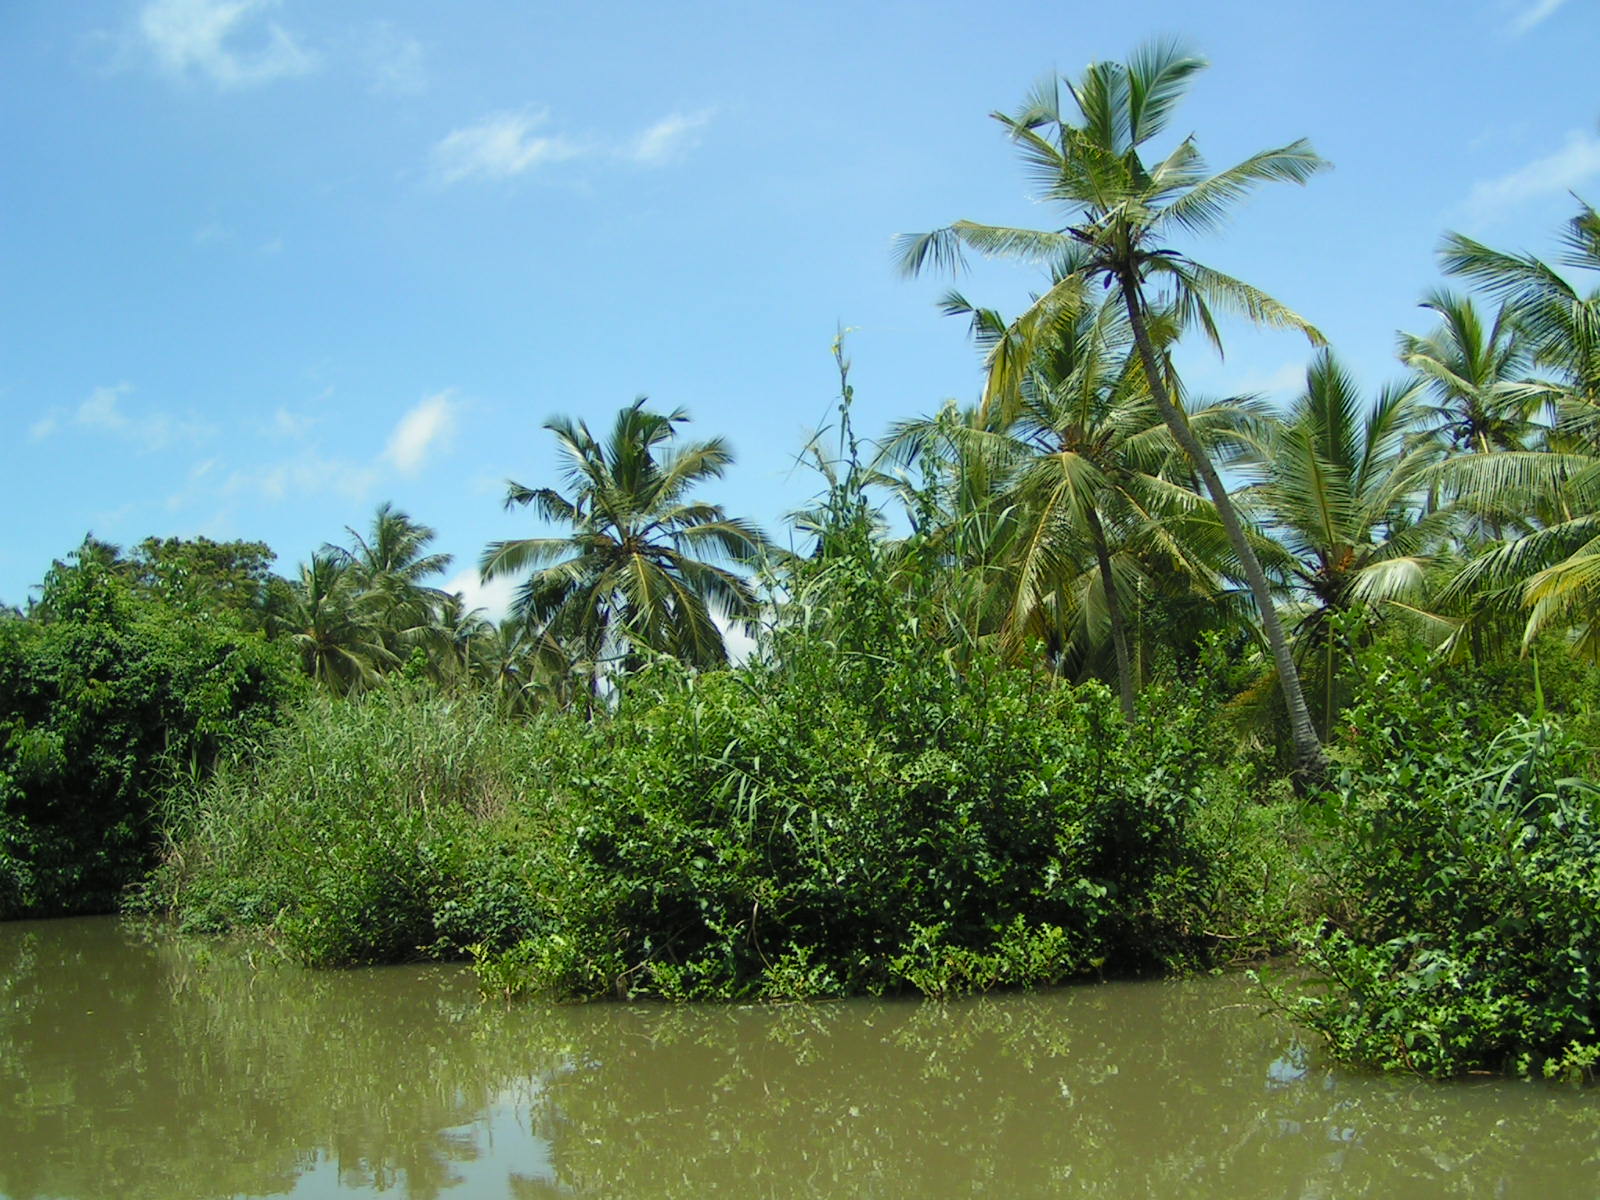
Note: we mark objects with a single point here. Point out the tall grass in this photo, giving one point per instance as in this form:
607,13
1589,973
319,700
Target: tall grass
401,825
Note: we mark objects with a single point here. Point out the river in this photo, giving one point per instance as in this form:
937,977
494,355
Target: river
136,1065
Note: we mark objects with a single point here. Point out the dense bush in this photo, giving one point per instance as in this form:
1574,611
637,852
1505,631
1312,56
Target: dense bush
848,813
105,698
1463,923
395,826
751,834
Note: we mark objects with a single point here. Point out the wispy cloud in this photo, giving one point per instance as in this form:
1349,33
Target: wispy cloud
292,425
395,62
231,43
499,146
1533,15
669,139
305,474
425,428
1577,162
211,233
103,412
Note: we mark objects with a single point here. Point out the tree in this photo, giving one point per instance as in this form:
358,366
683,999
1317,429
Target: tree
1553,568
637,570
333,629
1120,214
1340,491
1073,491
387,569
1474,373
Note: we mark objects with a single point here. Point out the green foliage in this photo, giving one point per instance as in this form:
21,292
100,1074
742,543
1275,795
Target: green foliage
854,814
106,694
1465,886
370,830
849,813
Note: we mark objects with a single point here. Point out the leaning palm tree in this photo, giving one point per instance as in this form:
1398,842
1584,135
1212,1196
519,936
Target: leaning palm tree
1120,214
637,571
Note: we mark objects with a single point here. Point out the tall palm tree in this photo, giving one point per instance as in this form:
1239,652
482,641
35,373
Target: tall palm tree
1120,214
1338,487
637,570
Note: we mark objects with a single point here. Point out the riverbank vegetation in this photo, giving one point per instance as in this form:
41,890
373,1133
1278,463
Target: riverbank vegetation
1092,677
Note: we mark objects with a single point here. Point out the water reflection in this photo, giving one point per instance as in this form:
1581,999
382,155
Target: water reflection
137,1067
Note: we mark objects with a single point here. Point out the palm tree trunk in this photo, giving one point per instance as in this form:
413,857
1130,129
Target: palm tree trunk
1311,764
1119,629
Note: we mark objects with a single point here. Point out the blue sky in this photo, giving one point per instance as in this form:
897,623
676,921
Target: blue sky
267,264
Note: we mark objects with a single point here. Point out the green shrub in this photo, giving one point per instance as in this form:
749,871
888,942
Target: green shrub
105,699
1464,926
857,813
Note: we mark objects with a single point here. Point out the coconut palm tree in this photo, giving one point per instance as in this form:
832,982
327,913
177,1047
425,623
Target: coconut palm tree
1553,567
637,571
1475,373
1121,214
388,567
1338,487
1074,494
336,635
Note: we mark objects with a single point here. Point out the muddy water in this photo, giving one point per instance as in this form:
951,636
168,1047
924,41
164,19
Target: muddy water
133,1066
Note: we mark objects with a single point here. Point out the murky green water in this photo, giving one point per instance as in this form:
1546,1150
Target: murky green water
140,1068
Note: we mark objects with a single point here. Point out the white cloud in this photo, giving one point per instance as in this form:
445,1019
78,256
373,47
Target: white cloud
211,233
395,62
292,424
668,139
102,412
1575,163
307,474
1533,15
226,41
427,426
493,597
499,146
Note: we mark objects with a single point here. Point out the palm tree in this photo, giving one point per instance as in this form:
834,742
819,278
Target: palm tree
336,635
1553,568
1562,323
1121,213
1341,492
1074,492
388,568
1475,374
632,575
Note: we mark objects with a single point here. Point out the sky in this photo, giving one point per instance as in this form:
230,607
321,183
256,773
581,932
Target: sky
265,264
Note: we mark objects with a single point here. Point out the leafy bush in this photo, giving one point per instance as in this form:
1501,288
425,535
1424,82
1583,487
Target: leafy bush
856,812
1464,927
104,699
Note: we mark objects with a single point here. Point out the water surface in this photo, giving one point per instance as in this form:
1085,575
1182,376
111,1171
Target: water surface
144,1066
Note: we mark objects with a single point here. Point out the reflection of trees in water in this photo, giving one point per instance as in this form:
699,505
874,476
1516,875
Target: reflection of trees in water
1106,1091
213,1079
209,1079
